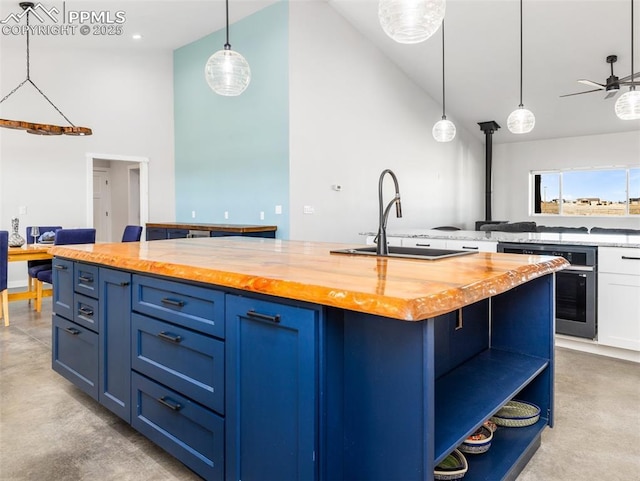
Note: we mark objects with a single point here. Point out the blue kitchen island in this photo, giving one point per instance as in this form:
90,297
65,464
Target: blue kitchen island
261,359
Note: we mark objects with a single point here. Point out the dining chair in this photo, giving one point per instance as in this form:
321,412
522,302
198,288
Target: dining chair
63,237
4,292
33,267
132,233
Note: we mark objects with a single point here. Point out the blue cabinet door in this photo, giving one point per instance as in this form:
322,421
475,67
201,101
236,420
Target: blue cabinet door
62,278
271,395
115,342
156,233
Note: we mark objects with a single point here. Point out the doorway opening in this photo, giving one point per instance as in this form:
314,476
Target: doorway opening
117,194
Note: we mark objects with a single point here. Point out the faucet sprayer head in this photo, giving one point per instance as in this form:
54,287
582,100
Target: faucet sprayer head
398,206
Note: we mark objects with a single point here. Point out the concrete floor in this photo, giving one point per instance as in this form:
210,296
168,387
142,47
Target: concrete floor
49,430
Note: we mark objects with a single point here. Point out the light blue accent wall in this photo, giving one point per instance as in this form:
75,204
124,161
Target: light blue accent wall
232,153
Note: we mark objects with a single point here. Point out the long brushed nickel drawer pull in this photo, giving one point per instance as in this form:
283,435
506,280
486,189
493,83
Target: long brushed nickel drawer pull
423,245
264,317
60,268
85,311
169,337
172,302
631,258
174,406
470,247
72,331
85,279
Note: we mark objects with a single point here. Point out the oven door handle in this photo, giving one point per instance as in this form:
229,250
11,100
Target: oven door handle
573,268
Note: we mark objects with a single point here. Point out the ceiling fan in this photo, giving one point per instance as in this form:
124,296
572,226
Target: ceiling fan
611,86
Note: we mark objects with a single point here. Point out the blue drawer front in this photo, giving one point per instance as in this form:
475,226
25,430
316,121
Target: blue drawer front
186,430
187,361
75,354
86,312
85,279
194,307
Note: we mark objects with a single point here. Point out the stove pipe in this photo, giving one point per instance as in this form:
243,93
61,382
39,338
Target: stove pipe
488,128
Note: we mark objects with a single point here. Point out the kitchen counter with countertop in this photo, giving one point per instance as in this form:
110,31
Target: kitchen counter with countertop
604,240
306,271
209,346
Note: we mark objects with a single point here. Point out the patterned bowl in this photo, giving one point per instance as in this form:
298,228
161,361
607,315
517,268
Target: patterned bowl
517,414
454,466
479,442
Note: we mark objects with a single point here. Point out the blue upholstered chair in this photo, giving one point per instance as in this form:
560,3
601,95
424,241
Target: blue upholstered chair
63,237
33,267
4,292
132,233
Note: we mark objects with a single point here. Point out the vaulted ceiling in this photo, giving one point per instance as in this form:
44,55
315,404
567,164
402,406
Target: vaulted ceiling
564,40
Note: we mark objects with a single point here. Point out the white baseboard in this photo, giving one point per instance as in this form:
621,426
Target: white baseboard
586,345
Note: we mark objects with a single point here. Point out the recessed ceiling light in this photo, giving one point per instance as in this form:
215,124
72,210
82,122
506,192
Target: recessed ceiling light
136,36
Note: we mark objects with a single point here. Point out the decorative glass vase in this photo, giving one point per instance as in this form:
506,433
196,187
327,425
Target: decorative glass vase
15,239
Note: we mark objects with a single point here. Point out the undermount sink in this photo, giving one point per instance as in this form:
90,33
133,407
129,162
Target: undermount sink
406,252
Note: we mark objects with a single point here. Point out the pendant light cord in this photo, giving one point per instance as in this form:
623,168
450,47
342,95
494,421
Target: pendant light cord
633,87
521,104
443,97
227,45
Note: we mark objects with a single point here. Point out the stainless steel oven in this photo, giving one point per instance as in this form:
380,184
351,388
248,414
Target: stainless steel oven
576,286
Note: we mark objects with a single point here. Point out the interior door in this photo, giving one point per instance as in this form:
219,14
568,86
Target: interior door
102,205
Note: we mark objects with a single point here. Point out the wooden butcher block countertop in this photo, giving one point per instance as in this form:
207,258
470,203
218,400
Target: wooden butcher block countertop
405,289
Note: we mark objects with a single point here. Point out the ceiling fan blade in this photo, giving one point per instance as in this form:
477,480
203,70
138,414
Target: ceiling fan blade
630,83
611,93
635,76
580,93
592,84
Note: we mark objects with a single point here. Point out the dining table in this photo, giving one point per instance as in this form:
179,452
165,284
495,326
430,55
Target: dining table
29,252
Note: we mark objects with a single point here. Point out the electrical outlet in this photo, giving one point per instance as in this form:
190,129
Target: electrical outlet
22,210
308,209
278,209
193,214
226,214
261,215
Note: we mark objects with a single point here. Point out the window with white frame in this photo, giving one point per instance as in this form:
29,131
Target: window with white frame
592,192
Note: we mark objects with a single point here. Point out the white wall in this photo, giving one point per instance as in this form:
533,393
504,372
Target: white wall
353,114
513,162
126,97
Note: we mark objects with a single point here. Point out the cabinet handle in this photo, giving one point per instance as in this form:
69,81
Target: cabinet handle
174,406
85,279
85,311
631,258
169,337
263,317
124,284
60,267
470,247
172,302
72,331
423,245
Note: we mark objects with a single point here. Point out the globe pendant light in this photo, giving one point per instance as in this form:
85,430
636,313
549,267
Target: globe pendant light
444,130
227,72
628,105
521,120
411,21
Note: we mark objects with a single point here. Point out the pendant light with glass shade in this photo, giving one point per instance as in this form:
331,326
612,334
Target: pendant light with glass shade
628,104
444,130
227,72
521,120
411,21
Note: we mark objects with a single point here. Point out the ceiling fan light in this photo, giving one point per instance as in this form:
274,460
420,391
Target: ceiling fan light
521,121
227,73
411,21
444,130
628,105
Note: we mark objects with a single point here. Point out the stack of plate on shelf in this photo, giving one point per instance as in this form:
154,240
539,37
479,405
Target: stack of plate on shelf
454,466
517,414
